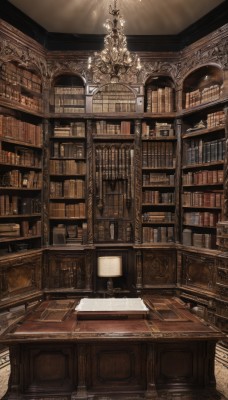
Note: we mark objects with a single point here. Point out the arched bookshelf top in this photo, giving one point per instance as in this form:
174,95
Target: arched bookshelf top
203,85
114,97
160,95
68,94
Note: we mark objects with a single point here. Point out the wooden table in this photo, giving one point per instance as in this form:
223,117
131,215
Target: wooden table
167,355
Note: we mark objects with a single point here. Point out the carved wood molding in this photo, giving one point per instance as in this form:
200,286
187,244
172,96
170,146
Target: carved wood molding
210,53
159,67
55,68
26,57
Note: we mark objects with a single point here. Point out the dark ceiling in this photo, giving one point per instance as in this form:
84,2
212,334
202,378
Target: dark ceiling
151,25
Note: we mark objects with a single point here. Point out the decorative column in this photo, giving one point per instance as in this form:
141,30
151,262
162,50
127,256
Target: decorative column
81,393
138,183
151,393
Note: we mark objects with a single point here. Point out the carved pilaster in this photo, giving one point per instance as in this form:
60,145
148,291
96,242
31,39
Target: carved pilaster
151,393
81,393
225,210
139,270
45,195
138,183
177,180
89,152
15,373
89,270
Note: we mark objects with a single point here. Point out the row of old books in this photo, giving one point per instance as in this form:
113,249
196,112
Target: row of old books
114,105
17,179
202,240
161,178
202,218
198,96
67,105
25,228
23,157
13,74
105,128
69,234
15,205
67,167
68,150
12,128
63,210
161,129
30,228
13,93
74,129
69,90
114,162
160,100
215,119
109,230
199,152
69,99
161,234
158,216
203,177
69,110
112,88
157,197
203,199
73,188
158,154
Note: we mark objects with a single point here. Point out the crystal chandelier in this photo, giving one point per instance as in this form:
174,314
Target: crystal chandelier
114,60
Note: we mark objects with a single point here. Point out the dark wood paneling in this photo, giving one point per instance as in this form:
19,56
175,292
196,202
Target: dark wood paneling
117,367
49,368
19,276
199,272
159,268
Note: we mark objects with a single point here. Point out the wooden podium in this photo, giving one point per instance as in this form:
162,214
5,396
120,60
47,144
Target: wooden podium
57,352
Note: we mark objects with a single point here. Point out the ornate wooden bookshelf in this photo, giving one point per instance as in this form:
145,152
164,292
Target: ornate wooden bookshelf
128,169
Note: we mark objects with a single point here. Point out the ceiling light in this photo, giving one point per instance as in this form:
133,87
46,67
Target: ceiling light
115,60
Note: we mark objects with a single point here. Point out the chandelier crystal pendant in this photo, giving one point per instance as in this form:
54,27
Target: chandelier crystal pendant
115,60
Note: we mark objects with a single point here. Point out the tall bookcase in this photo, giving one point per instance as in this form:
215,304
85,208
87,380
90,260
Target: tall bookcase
203,156
137,170
21,141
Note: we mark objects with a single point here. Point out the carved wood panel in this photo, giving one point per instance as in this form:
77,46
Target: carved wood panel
118,367
20,275
70,271
159,268
199,271
176,364
49,368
